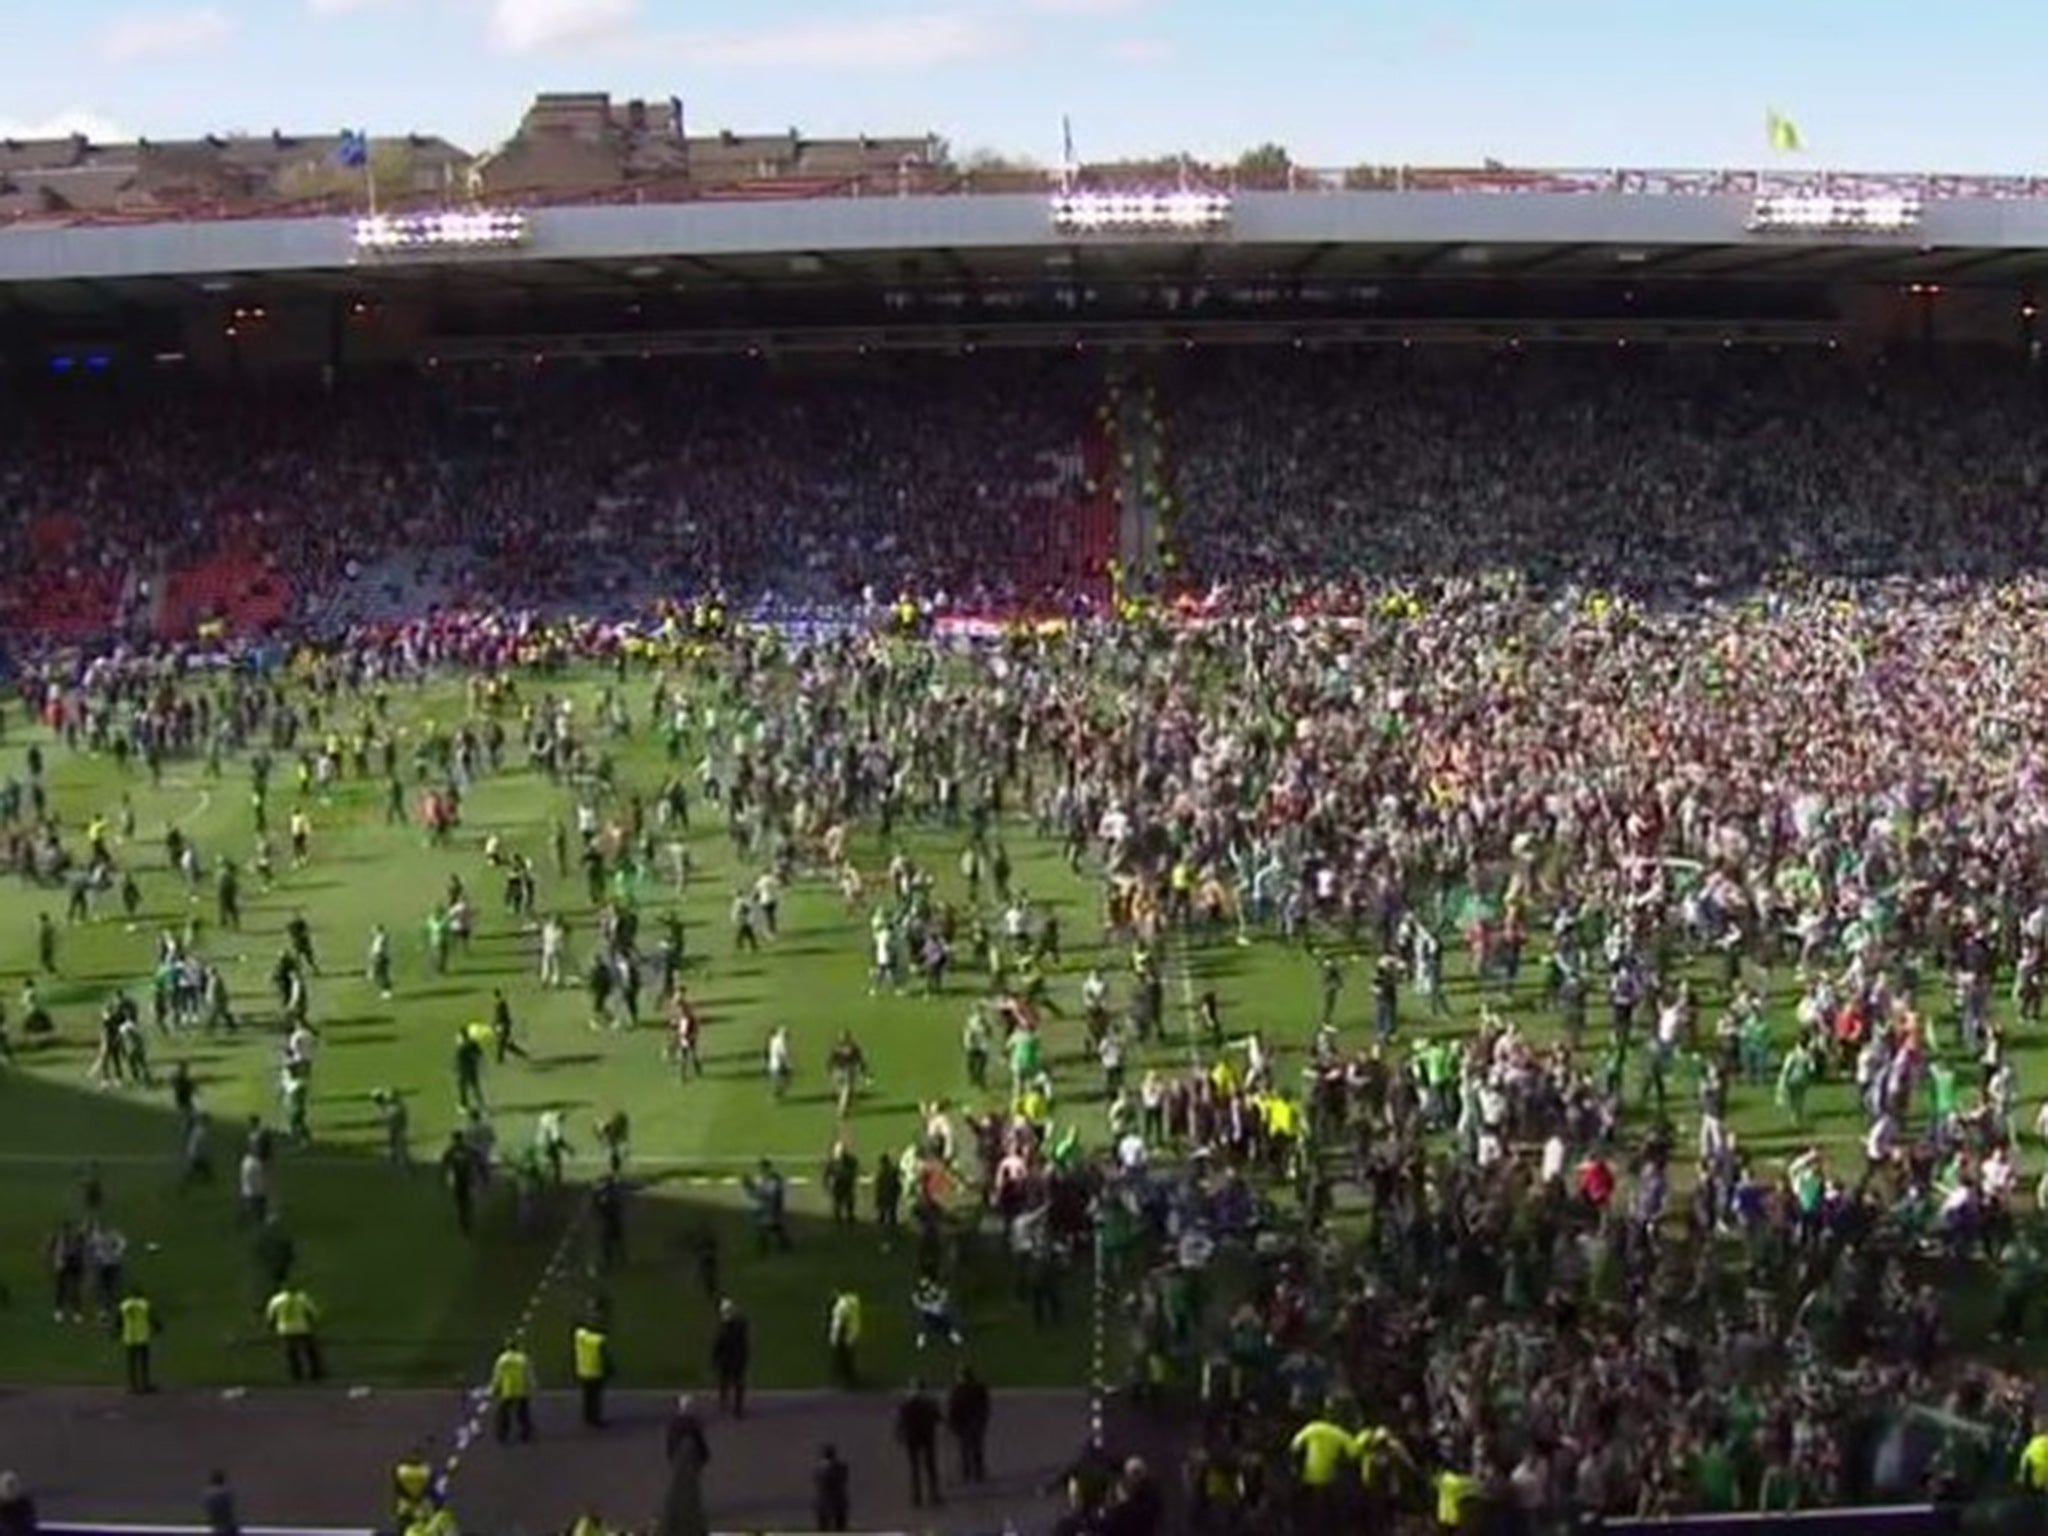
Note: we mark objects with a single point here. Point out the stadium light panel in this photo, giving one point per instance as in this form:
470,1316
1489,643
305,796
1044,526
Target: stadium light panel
1140,212
383,234
1800,213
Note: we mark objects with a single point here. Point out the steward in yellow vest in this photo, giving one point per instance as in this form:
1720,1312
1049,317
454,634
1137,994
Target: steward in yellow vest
435,1519
592,1352
293,1317
512,1393
2034,1463
1454,1491
137,1321
412,1480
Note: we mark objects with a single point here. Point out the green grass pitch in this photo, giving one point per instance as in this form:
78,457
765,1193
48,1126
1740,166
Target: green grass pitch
409,1300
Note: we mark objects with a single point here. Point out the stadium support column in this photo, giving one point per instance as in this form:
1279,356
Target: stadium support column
1143,504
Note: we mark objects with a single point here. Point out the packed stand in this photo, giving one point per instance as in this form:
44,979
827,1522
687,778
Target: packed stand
1620,469
551,487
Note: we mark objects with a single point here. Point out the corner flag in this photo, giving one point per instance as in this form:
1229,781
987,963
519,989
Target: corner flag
1782,134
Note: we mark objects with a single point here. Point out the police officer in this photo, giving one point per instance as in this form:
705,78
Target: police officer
136,1319
512,1392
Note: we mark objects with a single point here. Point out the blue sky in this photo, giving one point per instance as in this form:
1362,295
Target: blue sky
1872,83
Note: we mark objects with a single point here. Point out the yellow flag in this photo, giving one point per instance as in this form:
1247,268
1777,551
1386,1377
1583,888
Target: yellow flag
1781,133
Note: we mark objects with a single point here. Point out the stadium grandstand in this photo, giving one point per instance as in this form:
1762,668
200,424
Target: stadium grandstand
1466,743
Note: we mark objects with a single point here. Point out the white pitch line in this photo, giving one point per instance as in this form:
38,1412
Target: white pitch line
1098,1354
368,1159
472,1425
199,809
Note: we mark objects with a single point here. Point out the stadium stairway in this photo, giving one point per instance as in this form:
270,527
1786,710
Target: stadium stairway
1049,547
1143,503
236,591
1068,535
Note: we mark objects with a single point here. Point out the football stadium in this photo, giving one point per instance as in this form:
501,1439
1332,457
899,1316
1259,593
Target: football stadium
718,833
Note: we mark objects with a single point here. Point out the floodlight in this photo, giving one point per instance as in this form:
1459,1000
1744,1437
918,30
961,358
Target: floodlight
474,229
1122,212
1804,213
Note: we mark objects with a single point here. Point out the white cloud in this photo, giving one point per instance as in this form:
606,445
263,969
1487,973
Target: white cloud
525,26
909,41
347,7
1139,50
61,125
155,34
1085,7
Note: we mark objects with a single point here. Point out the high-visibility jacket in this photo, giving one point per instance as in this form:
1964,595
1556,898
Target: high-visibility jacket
2034,1463
512,1375
844,1325
410,1481
1452,1490
138,1321
292,1313
587,1525
1323,1448
1375,1448
433,1522
590,1355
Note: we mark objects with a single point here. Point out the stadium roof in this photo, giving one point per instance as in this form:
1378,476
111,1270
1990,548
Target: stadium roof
1683,232
1028,267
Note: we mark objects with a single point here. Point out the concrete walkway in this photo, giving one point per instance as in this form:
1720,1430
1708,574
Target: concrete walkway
324,1458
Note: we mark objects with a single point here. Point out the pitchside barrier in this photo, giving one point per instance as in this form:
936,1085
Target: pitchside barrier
2018,1516
75,1528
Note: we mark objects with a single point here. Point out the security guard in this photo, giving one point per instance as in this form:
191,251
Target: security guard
1383,1461
842,1336
412,1484
512,1392
1321,1447
434,1519
1454,1491
137,1319
293,1317
2034,1462
593,1365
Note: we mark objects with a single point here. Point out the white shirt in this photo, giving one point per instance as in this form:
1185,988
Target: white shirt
253,1178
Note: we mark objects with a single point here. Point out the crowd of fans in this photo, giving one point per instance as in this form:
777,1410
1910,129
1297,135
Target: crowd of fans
1653,740
553,486
1629,469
